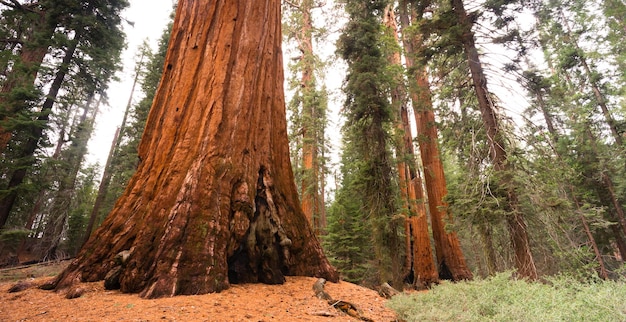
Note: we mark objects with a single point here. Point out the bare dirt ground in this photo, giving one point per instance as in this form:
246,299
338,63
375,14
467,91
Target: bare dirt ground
293,301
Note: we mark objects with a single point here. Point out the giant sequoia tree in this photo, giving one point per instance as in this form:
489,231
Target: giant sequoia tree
213,200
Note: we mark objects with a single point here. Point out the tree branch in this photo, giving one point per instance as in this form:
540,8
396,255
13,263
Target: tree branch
16,5
12,4
10,41
289,2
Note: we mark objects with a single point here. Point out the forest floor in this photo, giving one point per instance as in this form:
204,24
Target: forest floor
293,301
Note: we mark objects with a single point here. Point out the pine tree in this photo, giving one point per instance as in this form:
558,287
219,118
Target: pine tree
516,223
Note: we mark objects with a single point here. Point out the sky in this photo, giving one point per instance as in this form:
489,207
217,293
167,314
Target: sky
150,17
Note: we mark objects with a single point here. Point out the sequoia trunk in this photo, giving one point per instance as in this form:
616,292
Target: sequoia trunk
312,204
450,259
420,263
213,200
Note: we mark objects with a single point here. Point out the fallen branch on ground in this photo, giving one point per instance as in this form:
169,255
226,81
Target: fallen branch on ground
343,306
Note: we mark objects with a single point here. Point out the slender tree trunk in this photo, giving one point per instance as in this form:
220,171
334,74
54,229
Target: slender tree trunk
450,258
213,200
419,253
61,203
122,127
524,261
619,241
555,137
597,93
115,146
29,148
102,188
486,236
602,273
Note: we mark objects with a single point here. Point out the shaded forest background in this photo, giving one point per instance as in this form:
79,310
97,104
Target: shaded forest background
476,137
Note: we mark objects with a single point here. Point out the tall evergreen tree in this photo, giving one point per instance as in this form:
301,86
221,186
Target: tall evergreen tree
420,267
89,44
516,223
29,30
213,201
583,112
308,108
450,259
369,117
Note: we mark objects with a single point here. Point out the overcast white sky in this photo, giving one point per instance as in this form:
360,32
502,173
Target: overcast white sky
150,18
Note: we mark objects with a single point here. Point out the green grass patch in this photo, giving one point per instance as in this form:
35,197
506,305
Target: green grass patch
503,298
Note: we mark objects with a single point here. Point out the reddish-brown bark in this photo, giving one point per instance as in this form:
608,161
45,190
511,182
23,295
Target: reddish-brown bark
450,259
213,200
419,254
312,202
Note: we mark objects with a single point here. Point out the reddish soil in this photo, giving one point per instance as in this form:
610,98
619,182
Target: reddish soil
293,301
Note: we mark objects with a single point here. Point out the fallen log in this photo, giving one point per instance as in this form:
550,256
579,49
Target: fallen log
387,291
346,307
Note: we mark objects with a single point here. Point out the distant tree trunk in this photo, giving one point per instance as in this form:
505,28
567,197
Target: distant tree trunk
213,200
524,261
619,241
115,146
61,203
450,259
420,261
29,148
37,38
311,199
102,188
485,231
123,125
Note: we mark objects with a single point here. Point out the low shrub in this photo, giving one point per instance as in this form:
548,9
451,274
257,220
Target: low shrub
504,298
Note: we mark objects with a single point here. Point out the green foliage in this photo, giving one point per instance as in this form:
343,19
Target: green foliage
80,210
81,41
308,104
367,137
504,298
11,238
347,243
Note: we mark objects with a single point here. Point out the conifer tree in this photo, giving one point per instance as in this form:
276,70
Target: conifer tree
369,117
308,108
420,267
89,48
450,259
516,223
29,29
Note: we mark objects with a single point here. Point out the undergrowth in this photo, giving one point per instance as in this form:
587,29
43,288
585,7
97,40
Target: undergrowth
503,298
